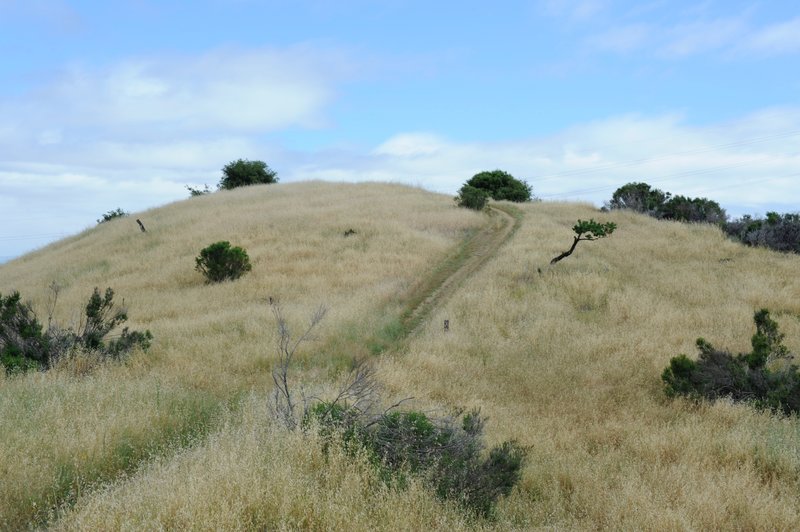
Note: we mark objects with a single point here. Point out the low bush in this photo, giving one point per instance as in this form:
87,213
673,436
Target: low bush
220,262
447,452
25,344
763,377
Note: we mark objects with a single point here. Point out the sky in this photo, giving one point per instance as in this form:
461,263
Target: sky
107,105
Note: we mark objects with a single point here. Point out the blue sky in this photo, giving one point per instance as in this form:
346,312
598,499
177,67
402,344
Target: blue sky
122,104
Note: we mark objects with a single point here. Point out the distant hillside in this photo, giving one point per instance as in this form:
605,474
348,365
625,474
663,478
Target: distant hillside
565,359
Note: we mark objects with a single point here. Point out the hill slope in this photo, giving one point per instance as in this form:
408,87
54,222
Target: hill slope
567,361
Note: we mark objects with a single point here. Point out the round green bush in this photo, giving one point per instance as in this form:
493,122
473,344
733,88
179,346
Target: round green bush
220,262
242,173
501,185
472,198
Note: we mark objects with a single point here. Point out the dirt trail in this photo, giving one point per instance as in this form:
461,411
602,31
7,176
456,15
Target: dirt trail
471,255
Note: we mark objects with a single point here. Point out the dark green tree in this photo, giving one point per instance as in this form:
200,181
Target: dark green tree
584,230
501,185
242,172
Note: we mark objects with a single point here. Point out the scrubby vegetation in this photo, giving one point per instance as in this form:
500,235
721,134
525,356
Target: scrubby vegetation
447,452
243,172
764,377
640,197
222,262
25,344
780,232
110,215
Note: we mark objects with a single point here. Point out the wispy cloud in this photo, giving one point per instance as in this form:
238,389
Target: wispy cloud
780,38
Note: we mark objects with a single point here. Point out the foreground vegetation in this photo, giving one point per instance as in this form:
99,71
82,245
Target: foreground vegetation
565,360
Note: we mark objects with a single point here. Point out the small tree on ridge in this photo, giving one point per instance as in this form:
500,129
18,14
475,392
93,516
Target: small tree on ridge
242,172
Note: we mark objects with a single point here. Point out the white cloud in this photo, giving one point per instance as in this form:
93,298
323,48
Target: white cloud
223,91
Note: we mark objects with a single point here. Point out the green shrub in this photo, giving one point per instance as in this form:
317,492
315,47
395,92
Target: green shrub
220,262
110,215
762,377
500,185
25,344
448,455
472,198
242,172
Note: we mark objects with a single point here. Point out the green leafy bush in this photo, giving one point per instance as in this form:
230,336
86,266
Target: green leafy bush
586,230
220,262
110,215
25,344
472,198
763,377
500,185
242,172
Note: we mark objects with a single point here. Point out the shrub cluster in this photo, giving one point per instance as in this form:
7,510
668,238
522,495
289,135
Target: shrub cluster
763,377
449,454
25,344
778,232
640,197
220,262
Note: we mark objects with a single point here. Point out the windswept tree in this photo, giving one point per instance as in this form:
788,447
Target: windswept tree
242,172
584,230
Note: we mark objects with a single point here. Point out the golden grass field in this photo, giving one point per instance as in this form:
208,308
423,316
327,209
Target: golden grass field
566,361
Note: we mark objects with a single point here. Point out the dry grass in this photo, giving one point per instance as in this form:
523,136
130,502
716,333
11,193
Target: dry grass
566,361
254,475
61,433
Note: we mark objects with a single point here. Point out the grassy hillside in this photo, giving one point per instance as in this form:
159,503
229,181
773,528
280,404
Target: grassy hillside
566,360
60,433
